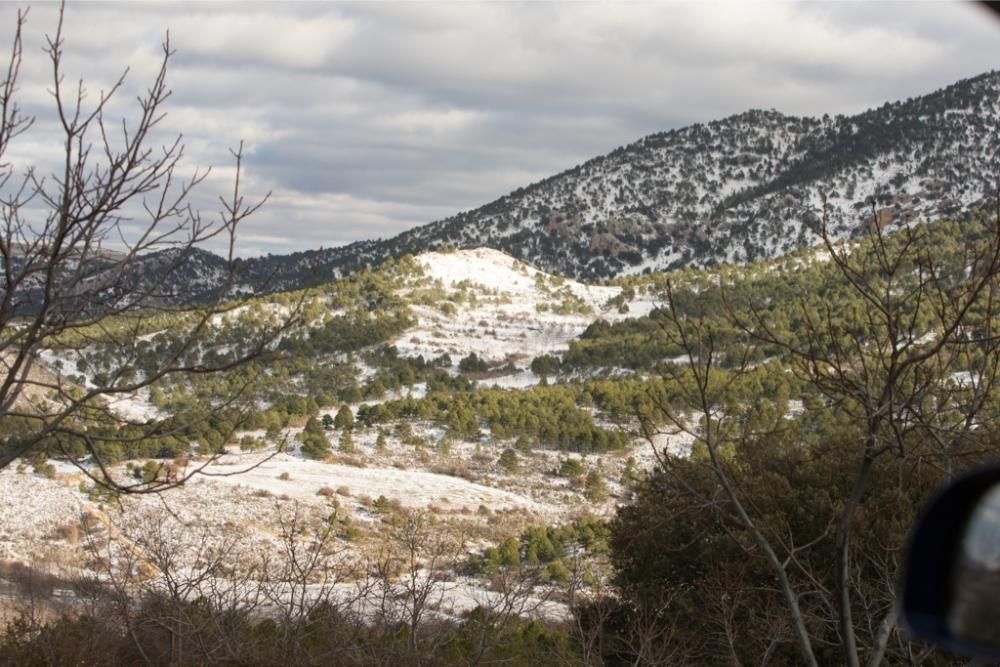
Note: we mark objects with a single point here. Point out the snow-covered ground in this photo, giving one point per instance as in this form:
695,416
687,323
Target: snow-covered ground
519,380
53,522
411,488
495,306
134,407
33,507
515,314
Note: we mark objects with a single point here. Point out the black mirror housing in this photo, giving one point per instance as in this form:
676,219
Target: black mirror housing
931,584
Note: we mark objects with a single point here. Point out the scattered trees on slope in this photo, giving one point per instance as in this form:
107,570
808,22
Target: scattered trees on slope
547,416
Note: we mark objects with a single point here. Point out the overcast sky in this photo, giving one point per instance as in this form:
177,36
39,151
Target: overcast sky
364,120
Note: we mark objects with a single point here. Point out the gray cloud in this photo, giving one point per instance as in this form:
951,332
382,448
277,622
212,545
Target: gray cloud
366,119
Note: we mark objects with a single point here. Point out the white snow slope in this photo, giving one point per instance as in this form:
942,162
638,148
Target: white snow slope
515,316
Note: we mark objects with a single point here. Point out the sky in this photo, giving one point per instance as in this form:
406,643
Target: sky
364,120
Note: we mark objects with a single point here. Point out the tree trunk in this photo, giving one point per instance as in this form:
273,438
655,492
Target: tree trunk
842,546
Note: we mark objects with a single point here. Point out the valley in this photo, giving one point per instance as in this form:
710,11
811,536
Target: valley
682,401
459,305
458,433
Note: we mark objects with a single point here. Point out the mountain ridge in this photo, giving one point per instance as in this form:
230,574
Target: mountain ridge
749,186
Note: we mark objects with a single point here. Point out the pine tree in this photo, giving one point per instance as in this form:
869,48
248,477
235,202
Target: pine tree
508,460
315,444
346,445
595,488
327,422
344,418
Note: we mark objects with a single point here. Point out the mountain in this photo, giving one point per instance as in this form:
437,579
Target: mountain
747,187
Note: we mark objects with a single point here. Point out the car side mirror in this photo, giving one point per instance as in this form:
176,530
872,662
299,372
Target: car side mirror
951,579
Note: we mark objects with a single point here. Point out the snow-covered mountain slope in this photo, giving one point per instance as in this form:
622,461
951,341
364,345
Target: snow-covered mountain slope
751,186
505,311
746,187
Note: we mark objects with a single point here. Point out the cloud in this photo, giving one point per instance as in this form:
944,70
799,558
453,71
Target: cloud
366,119
258,37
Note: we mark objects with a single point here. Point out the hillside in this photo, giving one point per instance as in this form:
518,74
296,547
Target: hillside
442,307
748,187
474,417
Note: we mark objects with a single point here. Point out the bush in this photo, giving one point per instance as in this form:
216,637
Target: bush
383,505
45,469
508,461
571,469
557,572
248,443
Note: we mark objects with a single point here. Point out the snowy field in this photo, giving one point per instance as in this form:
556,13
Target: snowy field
284,474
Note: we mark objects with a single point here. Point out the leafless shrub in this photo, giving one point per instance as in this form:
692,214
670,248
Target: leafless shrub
460,470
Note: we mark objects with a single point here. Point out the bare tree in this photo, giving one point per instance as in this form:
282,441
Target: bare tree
903,350
515,592
705,415
891,364
71,245
412,571
312,575
591,608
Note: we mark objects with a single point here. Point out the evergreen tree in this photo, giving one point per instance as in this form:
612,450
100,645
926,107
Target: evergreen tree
472,364
346,444
595,488
508,461
315,444
571,469
344,418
